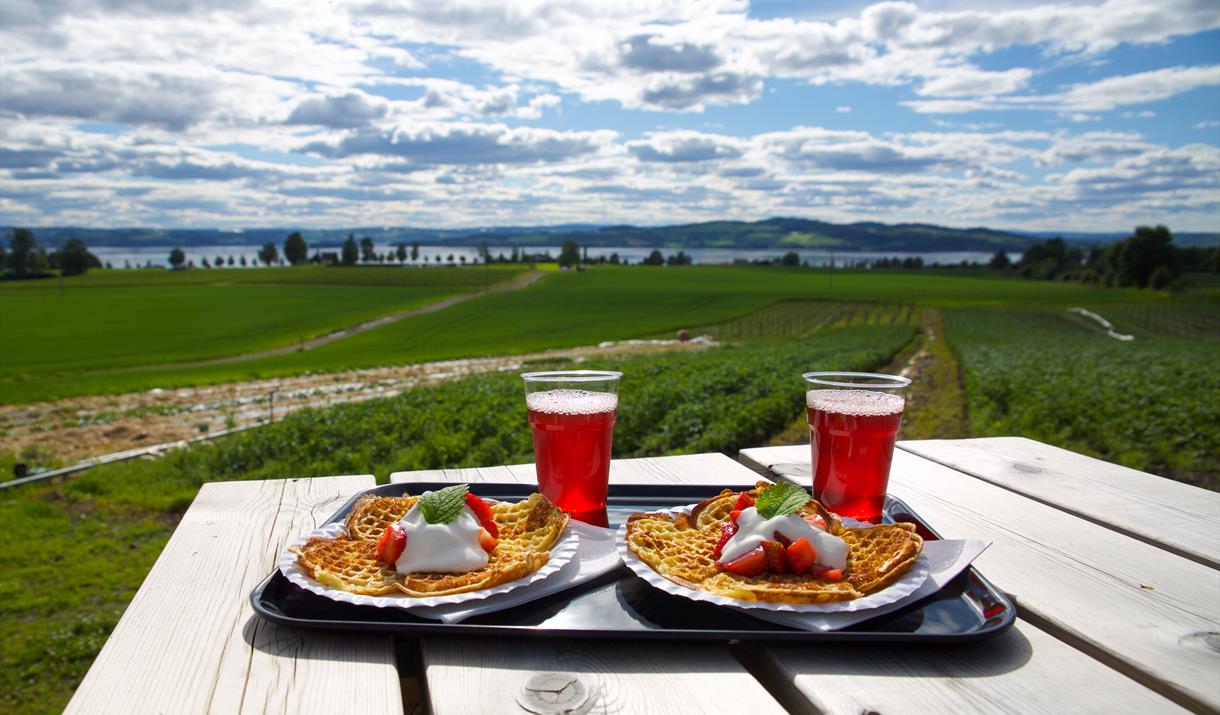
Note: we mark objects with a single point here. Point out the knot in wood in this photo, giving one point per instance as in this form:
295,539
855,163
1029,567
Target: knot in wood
548,693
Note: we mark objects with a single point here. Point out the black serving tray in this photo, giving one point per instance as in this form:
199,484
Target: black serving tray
620,604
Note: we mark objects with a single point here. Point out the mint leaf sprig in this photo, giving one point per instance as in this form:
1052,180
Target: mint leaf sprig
780,499
445,505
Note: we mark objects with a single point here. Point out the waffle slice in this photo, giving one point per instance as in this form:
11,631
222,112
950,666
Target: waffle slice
347,565
681,549
527,529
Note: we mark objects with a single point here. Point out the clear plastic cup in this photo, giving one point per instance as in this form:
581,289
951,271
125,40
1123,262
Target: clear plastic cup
571,416
854,419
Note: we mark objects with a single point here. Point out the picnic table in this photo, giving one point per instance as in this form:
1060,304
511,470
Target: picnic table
1116,575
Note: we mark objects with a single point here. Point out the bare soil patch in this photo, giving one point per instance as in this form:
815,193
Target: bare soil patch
70,430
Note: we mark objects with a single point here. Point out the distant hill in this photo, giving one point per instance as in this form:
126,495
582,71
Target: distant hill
774,233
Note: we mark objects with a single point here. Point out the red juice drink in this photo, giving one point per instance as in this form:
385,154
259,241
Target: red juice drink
851,437
573,430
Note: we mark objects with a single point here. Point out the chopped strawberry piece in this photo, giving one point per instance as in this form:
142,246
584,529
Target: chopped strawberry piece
487,541
750,564
801,556
727,529
482,512
393,541
743,502
827,574
734,514
777,561
783,540
816,520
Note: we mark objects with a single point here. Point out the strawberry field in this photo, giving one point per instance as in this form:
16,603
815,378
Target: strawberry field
1152,403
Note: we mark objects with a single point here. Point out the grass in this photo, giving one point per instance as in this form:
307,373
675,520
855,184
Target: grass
604,303
114,320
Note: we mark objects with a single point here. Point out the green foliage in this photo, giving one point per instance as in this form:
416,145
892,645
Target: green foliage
177,258
569,255
444,505
268,254
781,499
1151,404
296,251
22,248
350,252
1133,261
74,258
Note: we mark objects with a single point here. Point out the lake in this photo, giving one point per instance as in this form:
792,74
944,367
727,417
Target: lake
136,256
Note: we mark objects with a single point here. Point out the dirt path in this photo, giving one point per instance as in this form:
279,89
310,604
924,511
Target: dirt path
936,399
66,431
517,283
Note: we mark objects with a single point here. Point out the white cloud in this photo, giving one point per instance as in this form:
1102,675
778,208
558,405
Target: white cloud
479,111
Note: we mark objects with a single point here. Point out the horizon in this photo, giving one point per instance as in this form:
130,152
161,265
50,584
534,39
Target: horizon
1017,117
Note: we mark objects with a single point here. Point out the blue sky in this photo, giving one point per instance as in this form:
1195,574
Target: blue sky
227,113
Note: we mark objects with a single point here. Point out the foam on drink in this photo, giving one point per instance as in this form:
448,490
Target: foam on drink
571,402
857,403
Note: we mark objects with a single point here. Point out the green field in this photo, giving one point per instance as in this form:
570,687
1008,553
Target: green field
564,309
108,320
1152,404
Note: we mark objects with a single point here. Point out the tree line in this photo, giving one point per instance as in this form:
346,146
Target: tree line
1146,259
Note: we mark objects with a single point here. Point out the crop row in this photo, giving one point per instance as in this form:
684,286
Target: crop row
1151,404
801,318
717,400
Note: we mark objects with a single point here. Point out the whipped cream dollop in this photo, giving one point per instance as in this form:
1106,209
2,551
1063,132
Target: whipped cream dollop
753,529
441,548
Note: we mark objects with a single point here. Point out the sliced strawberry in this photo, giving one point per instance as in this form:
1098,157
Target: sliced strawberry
734,514
743,502
783,540
777,562
750,564
801,556
827,574
487,541
393,541
727,529
816,520
482,512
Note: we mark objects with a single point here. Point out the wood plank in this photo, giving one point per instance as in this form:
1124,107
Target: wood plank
713,469
1023,670
479,676
1136,607
1175,516
467,675
189,641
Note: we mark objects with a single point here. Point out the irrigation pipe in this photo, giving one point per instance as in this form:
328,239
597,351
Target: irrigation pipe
1103,323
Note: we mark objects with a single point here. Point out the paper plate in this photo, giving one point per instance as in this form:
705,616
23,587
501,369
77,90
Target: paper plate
561,553
903,587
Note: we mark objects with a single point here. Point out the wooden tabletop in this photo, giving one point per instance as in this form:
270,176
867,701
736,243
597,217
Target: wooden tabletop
1115,574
